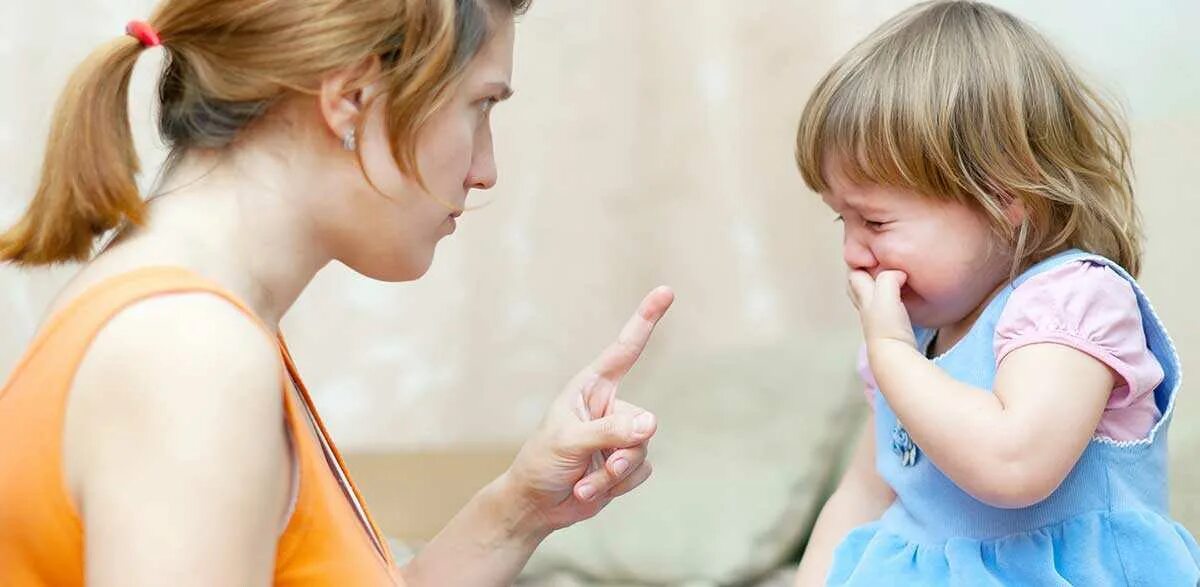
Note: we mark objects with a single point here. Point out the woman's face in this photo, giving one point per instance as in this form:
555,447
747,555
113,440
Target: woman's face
392,235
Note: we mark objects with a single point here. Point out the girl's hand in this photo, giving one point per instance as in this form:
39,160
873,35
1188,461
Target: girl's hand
591,447
879,306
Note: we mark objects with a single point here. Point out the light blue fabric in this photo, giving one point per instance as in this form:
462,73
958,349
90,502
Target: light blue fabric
1105,525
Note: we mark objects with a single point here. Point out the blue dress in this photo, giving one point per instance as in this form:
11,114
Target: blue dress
1105,525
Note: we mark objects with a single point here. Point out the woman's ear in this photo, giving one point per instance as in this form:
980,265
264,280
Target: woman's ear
345,93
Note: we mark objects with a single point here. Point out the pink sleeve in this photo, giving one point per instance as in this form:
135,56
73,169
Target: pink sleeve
1088,307
864,372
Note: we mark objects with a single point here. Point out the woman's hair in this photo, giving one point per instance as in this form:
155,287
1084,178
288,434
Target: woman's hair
962,101
227,63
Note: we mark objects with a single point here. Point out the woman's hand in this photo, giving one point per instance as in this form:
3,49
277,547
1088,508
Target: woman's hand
591,447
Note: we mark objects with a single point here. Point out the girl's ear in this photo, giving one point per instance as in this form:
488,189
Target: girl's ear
1014,210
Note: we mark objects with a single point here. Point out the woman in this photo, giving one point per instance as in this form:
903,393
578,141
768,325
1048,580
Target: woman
157,432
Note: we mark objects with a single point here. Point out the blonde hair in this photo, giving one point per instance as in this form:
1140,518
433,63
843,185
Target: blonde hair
228,62
962,101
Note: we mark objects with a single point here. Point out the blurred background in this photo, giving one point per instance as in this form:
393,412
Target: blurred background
649,142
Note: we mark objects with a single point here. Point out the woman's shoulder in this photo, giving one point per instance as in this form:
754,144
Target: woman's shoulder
150,312
178,372
172,351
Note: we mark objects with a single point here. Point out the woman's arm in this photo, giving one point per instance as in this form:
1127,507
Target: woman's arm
553,482
174,447
861,497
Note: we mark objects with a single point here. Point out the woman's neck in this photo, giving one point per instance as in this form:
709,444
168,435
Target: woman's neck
246,230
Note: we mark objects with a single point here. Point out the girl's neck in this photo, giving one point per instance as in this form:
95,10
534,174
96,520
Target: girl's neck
947,336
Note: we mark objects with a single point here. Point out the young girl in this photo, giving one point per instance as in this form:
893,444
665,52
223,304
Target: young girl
1021,383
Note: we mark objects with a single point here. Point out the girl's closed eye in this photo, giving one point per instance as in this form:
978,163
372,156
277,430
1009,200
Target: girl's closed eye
870,224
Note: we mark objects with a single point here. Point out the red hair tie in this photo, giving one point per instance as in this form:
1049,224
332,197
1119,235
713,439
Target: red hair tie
143,32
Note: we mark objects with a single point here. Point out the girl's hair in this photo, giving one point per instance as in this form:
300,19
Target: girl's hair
227,62
962,101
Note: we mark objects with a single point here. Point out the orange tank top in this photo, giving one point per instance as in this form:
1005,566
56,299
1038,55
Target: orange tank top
329,539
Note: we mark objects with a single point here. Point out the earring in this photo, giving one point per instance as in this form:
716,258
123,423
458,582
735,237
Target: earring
350,141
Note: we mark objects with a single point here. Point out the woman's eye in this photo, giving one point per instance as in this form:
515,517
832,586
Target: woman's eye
871,224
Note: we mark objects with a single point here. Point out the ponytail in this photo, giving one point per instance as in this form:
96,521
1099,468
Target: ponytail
87,184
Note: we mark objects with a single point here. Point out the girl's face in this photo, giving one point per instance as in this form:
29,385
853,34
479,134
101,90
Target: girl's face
953,259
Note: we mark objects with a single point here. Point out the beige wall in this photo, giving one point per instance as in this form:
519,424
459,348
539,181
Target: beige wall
650,142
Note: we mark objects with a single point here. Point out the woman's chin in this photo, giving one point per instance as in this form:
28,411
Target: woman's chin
399,270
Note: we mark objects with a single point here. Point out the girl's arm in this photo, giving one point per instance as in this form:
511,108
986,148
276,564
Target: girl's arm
1010,448
862,496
